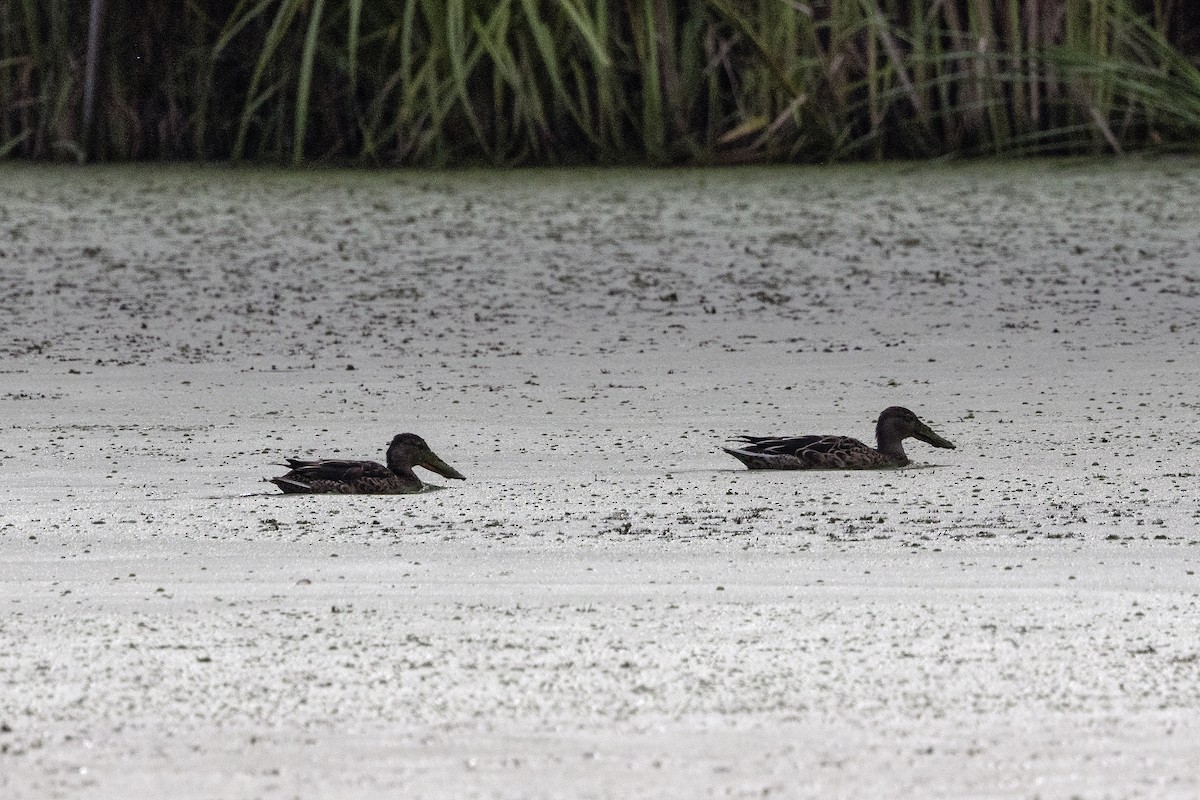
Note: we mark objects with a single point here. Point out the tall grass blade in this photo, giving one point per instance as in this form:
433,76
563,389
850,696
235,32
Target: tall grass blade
275,36
304,87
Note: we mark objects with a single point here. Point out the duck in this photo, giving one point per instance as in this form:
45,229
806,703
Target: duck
895,425
337,476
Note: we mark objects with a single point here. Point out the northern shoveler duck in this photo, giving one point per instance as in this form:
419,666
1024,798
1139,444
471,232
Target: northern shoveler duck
335,476
839,452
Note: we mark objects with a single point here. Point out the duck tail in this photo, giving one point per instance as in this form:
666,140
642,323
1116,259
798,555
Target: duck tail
290,486
751,460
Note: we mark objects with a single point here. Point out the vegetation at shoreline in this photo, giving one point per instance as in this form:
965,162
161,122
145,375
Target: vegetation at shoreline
509,82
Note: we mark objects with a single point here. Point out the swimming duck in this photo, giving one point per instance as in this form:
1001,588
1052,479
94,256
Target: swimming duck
839,452
335,476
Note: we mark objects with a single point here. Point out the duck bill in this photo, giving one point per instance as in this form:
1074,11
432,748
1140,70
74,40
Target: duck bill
926,434
430,461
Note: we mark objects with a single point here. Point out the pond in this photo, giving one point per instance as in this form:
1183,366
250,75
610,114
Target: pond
608,599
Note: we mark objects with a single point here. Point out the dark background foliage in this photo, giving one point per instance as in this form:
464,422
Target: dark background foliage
440,82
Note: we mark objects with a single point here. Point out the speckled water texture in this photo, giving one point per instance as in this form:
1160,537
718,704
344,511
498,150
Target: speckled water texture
609,606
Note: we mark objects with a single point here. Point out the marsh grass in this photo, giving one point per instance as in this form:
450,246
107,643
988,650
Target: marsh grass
441,82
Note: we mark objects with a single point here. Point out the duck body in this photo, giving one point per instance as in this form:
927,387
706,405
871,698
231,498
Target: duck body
894,425
340,476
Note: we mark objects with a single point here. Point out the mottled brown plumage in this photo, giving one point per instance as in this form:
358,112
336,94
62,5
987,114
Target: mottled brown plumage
895,425
337,476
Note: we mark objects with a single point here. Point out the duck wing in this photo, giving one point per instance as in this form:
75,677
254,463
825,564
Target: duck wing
337,470
806,452
337,476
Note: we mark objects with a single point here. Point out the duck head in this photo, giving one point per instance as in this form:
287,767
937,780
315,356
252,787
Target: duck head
408,450
897,424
